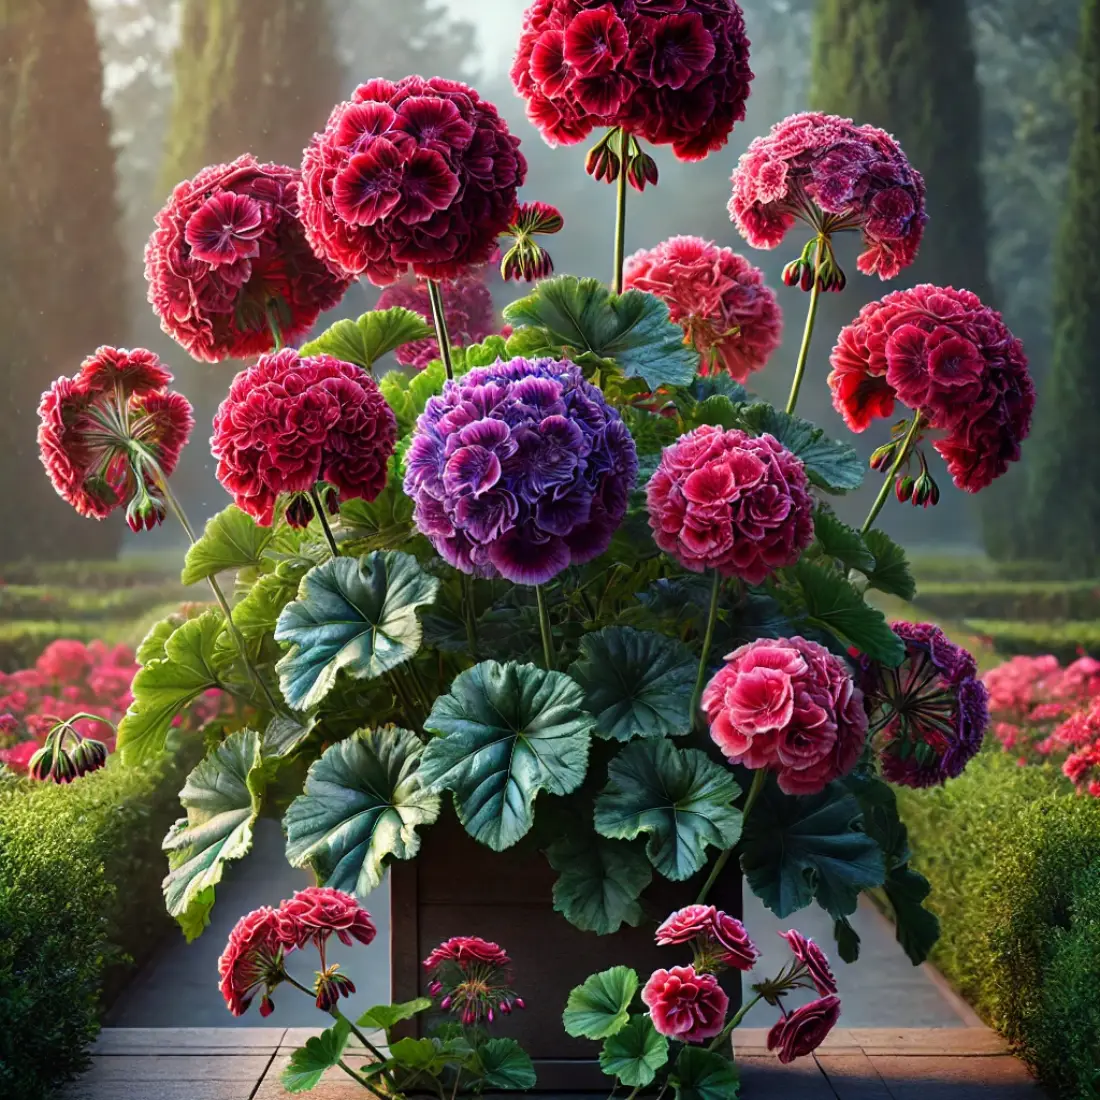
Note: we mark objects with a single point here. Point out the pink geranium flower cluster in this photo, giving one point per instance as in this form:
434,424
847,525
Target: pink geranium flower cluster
718,939
672,72
1080,735
728,501
719,299
949,358
789,705
472,978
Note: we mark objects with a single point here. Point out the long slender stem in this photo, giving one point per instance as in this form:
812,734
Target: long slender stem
319,508
620,216
888,484
758,781
742,1012
544,627
808,331
435,296
704,657
469,609
360,1080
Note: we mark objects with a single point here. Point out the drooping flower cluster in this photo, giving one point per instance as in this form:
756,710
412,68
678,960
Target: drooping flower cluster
717,939
292,421
229,261
805,1029
685,1005
110,435
810,958
672,72
835,176
719,299
949,358
930,713
728,501
467,308
519,470
473,979
420,175
789,705
527,260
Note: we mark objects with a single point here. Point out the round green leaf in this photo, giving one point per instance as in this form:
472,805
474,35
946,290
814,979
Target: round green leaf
308,1063
599,1007
360,616
702,1074
362,803
600,882
383,1017
507,732
506,1065
366,340
232,540
635,1054
680,798
637,683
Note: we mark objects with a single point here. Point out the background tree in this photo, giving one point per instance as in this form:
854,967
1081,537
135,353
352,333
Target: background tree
61,291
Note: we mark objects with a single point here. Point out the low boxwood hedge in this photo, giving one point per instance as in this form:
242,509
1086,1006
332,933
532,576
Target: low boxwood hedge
1011,600
1066,640
80,873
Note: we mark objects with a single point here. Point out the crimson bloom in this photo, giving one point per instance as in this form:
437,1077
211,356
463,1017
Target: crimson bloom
719,299
813,959
718,939
229,259
420,175
951,359
473,979
685,1005
109,436
805,1029
728,501
290,422
253,961
672,72
789,705
319,911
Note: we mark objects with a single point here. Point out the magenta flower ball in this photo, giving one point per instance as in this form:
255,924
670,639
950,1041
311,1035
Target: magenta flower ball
685,1005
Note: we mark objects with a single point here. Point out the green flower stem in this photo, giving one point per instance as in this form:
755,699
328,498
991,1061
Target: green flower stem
742,1012
704,657
361,1081
544,627
760,777
469,610
888,484
273,324
808,332
435,296
620,216
319,508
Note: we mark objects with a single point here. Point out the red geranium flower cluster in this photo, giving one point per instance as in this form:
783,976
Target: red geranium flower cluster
418,175
805,1029
948,357
835,176
790,705
812,960
727,501
292,421
717,939
467,309
229,260
686,1005
672,72
719,299
473,978
108,436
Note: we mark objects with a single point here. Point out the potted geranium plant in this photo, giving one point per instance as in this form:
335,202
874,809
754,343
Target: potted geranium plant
560,628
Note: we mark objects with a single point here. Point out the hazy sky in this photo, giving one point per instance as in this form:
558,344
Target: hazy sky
498,23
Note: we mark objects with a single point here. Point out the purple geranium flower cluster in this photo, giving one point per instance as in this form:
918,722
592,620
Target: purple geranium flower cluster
930,714
519,470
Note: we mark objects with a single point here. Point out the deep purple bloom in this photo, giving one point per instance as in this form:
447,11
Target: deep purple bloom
929,716
519,470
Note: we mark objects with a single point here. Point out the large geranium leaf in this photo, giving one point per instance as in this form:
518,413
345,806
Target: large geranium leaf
506,1065
384,1017
891,567
600,1007
635,1054
637,684
308,1063
362,803
702,1074
809,848
365,341
284,733
583,318
383,522
190,666
840,542
152,645
359,616
232,540
409,396
600,882
222,800
682,800
506,732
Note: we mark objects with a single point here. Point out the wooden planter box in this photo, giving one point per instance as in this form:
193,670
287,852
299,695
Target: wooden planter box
456,886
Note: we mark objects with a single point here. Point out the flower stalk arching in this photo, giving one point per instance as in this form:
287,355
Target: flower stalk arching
888,483
819,244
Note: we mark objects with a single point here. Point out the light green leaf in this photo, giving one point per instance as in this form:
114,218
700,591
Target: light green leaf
506,1065
383,1017
632,330
362,803
702,1074
600,882
365,341
165,686
414,1054
232,540
635,1054
321,1052
841,542
359,616
637,684
891,569
382,523
152,645
484,354
408,396
222,800
507,732
680,798
600,1007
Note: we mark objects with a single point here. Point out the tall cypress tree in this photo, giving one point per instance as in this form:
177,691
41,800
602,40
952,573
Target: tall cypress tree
1066,482
61,290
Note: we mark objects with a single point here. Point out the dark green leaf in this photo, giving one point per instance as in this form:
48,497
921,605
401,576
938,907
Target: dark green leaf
600,882
506,1065
362,803
365,341
716,409
232,540
702,1074
917,928
382,523
891,570
600,1007
847,940
682,800
632,330
360,616
284,733
838,540
383,1017
637,684
635,1054
321,1052
506,733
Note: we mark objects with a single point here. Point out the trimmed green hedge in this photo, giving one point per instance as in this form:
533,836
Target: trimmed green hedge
1012,600
80,873
1065,640
1014,862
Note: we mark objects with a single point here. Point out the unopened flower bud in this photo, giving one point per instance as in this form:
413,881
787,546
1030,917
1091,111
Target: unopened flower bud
489,1015
445,1003
642,169
89,756
145,511
792,273
903,489
435,989
267,1005
506,1008
518,1002
806,280
300,510
883,456
41,763
330,987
